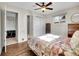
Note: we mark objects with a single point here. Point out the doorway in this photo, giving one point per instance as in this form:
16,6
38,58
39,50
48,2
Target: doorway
29,26
11,27
48,28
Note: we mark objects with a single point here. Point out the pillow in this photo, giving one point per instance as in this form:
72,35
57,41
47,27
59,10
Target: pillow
75,39
48,37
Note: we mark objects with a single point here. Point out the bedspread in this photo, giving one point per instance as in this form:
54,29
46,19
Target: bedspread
53,45
43,47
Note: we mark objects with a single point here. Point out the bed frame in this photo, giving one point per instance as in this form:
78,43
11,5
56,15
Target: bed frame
72,28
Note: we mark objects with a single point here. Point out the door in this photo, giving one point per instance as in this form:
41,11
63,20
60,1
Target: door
48,28
28,25
3,31
38,26
11,27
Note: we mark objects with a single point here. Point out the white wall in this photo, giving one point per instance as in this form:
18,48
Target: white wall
70,13
38,23
62,28
57,28
0,33
22,21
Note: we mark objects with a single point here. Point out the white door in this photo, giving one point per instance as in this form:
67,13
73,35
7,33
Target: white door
3,29
38,26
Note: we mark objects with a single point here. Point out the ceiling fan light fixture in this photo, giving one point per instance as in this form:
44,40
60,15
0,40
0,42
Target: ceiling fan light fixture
44,6
43,9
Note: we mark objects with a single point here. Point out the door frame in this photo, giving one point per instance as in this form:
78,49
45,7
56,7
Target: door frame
5,18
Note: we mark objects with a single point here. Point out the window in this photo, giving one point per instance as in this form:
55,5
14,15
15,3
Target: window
59,19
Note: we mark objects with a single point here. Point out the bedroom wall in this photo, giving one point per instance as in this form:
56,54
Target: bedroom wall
58,28
62,28
22,21
0,33
70,13
38,23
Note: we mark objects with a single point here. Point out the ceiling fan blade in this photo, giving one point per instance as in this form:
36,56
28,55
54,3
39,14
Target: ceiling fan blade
38,4
42,3
37,9
49,4
50,8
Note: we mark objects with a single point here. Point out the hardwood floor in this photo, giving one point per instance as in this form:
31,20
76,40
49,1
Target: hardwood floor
10,41
18,49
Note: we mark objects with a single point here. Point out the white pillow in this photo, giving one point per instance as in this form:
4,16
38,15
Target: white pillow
48,37
75,39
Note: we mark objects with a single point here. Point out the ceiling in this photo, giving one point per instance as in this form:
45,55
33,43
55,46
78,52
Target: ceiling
57,6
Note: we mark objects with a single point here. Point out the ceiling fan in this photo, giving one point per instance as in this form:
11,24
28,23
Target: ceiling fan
44,6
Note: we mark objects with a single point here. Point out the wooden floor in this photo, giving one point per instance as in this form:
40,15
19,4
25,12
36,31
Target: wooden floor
18,49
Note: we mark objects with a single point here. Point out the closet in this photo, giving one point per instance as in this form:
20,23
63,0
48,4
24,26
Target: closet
29,25
11,26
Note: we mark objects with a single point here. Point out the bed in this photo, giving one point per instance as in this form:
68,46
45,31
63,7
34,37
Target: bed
51,45
41,44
